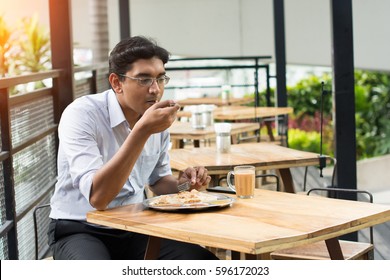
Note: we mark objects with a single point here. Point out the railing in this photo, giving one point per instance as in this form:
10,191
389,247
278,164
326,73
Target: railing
241,63
28,152
94,80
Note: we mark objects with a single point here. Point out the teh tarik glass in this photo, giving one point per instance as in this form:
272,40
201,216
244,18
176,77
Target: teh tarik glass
244,181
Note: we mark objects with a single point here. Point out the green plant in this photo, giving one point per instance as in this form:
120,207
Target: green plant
372,96
307,141
372,107
24,50
305,96
34,55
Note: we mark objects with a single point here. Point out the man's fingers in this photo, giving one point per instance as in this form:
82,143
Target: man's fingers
167,103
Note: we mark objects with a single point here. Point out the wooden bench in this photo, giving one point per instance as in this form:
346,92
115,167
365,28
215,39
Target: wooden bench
318,251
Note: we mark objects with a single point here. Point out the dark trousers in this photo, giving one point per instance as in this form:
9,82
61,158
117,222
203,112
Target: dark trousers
74,240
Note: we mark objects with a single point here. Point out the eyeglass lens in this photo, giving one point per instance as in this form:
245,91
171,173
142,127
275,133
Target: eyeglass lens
149,81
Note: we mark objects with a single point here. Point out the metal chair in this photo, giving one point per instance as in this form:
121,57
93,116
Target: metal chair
36,212
332,184
277,179
318,251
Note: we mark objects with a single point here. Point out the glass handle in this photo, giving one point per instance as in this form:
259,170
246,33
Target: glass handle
230,185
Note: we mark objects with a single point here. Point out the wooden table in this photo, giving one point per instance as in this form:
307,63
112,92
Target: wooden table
234,113
237,113
268,222
264,156
215,101
183,130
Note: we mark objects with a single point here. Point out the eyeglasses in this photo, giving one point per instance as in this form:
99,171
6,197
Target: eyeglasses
148,82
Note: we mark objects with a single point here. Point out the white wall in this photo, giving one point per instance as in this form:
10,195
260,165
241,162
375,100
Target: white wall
372,34
245,27
308,32
206,28
235,27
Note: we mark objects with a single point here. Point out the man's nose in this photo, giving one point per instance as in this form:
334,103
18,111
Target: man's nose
154,88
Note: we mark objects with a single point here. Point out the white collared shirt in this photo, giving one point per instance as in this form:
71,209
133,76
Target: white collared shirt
91,131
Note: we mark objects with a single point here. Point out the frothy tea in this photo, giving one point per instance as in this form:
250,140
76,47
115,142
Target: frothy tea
245,183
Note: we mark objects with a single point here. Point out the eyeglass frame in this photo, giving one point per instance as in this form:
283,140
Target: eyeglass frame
165,80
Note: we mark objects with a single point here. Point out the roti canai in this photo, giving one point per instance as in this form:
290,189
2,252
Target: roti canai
183,198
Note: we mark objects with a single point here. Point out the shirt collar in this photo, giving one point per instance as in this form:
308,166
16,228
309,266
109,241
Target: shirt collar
114,110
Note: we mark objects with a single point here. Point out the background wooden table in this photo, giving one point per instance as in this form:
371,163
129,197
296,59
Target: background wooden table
239,113
215,101
233,113
264,156
183,130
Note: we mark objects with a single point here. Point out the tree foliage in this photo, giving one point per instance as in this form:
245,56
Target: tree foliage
372,111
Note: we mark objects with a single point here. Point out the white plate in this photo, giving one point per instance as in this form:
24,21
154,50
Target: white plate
221,200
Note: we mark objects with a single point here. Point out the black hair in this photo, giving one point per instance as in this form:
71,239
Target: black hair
129,50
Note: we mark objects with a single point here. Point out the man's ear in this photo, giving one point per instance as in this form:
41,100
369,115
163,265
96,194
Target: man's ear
115,83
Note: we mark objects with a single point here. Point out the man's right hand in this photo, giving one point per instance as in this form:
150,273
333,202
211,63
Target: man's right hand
159,116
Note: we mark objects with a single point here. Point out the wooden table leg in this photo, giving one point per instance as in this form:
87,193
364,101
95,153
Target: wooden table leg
334,249
287,180
152,248
181,144
177,143
269,131
196,143
263,256
236,255
250,257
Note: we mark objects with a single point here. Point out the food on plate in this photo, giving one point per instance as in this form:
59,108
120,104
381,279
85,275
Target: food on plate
183,198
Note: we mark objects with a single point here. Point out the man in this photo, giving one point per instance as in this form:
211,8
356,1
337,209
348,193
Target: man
111,145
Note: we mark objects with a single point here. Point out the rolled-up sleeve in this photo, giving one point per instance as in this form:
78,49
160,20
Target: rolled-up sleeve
77,133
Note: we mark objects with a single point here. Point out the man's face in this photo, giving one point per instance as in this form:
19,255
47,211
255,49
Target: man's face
136,98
